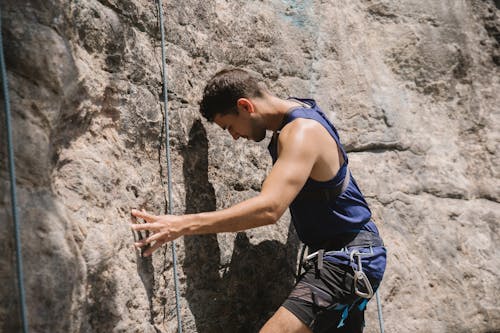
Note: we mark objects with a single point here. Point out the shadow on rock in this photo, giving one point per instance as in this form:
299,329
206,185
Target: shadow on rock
239,297
145,270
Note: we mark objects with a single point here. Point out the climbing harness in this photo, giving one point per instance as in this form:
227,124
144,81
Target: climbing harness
351,245
169,168
12,170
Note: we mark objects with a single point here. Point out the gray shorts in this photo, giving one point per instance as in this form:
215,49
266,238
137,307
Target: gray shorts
327,302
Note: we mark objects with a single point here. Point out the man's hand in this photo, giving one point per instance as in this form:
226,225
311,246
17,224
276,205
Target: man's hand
164,228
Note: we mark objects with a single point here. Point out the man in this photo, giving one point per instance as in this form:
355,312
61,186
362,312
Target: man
310,176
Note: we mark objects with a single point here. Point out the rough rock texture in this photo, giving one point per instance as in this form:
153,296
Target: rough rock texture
413,86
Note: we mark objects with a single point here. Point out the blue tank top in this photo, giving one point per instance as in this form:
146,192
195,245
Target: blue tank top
318,221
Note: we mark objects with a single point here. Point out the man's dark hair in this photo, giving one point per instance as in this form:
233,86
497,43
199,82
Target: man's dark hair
224,89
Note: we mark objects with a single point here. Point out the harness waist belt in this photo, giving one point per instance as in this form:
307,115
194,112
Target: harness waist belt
360,239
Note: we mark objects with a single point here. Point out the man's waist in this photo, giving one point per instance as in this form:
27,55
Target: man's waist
362,238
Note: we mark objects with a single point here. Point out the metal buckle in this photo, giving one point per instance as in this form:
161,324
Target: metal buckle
359,275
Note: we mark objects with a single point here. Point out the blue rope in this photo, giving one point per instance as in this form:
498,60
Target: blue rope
167,146
379,310
19,257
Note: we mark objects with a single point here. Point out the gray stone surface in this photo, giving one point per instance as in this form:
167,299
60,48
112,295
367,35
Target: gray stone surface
413,87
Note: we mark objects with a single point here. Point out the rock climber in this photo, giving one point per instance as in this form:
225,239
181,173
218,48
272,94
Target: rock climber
310,175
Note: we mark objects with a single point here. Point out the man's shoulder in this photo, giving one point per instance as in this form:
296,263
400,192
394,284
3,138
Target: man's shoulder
307,134
300,127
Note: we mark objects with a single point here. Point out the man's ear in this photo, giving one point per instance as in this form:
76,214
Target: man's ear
246,105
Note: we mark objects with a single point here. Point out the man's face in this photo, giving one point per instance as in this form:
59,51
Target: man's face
241,125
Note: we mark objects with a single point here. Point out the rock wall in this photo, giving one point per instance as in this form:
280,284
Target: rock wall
412,85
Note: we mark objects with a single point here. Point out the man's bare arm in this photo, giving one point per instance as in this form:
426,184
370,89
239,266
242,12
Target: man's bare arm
287,177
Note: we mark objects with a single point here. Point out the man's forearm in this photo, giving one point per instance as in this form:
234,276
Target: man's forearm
251,213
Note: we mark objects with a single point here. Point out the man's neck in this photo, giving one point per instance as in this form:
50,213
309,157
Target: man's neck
274,109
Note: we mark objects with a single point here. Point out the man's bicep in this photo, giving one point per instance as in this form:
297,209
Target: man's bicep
290,172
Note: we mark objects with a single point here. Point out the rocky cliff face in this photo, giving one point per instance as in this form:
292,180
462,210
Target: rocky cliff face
413,87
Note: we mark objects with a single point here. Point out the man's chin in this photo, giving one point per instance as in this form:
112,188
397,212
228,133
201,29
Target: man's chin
261,135
259,139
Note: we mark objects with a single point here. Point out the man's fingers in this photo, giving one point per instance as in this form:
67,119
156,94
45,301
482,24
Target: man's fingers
153,248
140,244
146,226
157,236
154,241
151,239
143,215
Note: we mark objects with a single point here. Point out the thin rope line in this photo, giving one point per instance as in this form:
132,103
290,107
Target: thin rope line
169,171
379,310
19,257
